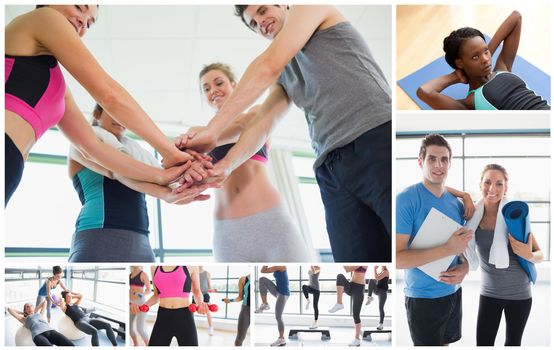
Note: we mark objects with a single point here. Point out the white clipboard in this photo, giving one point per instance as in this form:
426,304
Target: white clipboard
435,230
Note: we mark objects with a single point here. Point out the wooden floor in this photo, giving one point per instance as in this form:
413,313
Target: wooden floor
421,29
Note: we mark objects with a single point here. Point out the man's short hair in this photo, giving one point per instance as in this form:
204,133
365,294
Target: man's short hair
239,11
433,140
64,293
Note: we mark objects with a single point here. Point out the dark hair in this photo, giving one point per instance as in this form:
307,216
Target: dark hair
433,140
453,43
239,12
224,68
64,293
56,270
96,113
495,167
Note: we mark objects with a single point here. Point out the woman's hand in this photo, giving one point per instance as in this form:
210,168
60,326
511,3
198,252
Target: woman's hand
202,308
198,171
181,140
172,174
201,139
189,195
524,250
134,308
226,300
469,207
176,157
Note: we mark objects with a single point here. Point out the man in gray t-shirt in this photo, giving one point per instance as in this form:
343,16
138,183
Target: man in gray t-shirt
320,62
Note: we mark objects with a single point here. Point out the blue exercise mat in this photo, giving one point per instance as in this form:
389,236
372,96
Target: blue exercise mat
536,79
516,215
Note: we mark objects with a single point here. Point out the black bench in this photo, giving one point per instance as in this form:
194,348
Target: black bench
325,334
367,333
120,330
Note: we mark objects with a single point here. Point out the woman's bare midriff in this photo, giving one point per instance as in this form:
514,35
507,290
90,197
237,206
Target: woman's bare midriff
358,277
246,191
21,132
174,303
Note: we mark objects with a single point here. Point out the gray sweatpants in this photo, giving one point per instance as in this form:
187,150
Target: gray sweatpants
242,326
266,285
268,236
110,245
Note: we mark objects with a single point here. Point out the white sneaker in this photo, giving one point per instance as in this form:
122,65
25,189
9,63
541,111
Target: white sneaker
307,304
279,342
314,326
380,327
336,308
262,308
369,300
355,342
211,330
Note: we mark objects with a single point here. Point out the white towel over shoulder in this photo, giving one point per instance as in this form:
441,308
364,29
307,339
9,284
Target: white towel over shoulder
126,145
498,255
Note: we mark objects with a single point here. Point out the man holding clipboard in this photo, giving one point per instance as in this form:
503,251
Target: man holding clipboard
433,302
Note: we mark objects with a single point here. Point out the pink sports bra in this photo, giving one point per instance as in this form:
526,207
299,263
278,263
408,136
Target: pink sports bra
172,284
35,90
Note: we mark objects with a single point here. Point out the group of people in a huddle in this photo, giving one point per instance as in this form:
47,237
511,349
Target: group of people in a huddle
42,333
434,306
355,288
111,172
171,287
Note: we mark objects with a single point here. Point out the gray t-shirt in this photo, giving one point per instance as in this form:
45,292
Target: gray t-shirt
37,324
511,283
335,80
314,279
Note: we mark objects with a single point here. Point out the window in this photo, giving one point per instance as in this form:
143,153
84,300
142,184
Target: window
311,200
298,275
525,157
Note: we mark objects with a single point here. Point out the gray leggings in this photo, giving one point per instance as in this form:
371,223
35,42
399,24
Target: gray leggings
244,323
91,327
110,245
267,286
267,236
40,298
138,319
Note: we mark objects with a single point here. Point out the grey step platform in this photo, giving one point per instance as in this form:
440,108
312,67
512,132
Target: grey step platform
367,333
325,334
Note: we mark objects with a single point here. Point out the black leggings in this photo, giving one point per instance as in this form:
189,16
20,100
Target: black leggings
14,168
356,292
92,326
50,338
490,313
382,294
178,323
309,290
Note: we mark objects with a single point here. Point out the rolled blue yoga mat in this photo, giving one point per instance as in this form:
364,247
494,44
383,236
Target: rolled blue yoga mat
516,215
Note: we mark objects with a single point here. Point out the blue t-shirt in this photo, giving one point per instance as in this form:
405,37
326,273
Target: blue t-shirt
412,206
282,282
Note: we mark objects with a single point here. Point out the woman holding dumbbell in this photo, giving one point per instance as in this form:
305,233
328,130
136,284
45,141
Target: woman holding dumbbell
139,288
244,316
172,287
